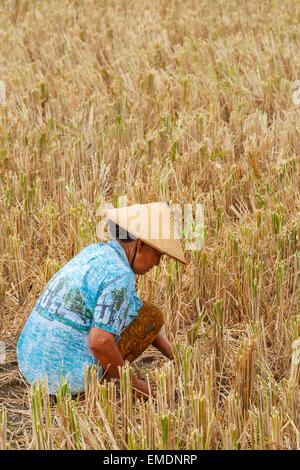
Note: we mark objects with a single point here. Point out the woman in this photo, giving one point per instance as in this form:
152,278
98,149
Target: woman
89,313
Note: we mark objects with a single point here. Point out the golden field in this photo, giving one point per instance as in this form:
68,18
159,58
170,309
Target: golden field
186,101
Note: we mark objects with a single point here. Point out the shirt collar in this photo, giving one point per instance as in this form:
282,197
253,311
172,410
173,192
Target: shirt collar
120,250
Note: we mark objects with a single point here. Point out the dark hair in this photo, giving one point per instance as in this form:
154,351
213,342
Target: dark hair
120,233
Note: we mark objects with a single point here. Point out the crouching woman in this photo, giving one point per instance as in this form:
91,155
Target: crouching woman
89,314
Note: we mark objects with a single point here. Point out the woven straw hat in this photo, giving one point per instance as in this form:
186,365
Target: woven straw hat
153,223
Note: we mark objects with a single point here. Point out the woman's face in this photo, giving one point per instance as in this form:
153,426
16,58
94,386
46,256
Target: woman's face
146,258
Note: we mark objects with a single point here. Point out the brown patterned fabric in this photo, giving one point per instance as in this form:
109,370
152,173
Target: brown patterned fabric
141,332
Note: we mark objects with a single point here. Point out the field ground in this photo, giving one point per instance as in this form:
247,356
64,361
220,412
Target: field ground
186,101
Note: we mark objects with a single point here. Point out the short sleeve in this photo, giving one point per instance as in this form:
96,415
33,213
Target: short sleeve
113,304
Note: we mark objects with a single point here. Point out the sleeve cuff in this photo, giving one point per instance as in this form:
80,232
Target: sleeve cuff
106,328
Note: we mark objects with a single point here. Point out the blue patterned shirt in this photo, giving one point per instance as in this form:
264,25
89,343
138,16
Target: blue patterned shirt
96,288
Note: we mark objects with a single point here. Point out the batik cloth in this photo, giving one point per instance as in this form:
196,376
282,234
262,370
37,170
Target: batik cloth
141,332
96,289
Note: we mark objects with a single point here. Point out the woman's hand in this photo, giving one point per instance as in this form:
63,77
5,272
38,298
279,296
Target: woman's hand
141,389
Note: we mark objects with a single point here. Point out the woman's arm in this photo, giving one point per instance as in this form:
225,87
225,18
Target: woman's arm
162,344
105,350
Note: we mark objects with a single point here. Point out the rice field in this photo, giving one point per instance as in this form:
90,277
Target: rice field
180,100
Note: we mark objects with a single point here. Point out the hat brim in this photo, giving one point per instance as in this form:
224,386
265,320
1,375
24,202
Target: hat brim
170,247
